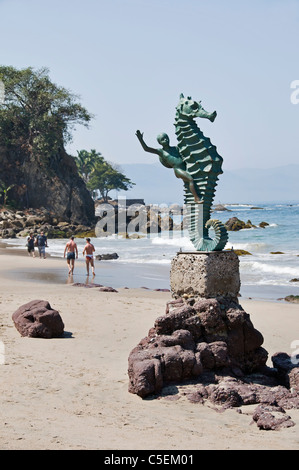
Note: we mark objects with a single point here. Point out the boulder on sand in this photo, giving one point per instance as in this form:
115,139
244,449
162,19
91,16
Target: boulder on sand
37,319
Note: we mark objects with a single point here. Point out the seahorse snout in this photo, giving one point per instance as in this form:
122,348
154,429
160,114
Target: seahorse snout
202,113
212,116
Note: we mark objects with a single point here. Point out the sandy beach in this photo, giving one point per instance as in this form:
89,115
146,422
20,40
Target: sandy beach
72,393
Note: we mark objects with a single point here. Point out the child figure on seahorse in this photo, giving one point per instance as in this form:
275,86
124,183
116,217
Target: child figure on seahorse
170,158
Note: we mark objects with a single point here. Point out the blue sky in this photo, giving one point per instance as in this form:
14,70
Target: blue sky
129,60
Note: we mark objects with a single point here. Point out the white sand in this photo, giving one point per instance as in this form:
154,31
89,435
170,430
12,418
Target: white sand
71,393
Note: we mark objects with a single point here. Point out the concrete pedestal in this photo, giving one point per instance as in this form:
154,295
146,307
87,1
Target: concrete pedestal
205,274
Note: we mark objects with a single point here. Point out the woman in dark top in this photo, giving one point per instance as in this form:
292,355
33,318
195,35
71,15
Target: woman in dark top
30,245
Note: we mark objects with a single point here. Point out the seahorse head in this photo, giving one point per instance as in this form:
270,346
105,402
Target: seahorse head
189,108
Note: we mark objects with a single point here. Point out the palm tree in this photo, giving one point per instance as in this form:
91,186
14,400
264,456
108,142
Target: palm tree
4,190
86,162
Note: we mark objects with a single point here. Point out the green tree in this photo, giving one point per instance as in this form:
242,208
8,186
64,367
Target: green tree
37,115
105,177
86,162
4,190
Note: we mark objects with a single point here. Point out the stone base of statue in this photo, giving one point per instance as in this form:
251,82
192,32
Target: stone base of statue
205,274
206,343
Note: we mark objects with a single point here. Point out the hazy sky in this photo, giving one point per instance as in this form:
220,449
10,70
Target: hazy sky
129,60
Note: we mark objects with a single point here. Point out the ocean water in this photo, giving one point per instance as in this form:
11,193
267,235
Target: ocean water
145,262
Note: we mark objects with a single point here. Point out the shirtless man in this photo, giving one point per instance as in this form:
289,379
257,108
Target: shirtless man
88,252
72,253
170,158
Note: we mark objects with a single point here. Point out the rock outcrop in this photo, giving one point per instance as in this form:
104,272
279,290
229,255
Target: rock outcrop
52,183
211,347
37,319
191,339
292,298
234,224
20,223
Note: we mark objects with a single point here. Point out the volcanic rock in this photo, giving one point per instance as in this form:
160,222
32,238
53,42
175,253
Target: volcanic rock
271,418
211,349
191,339
107,256
37,319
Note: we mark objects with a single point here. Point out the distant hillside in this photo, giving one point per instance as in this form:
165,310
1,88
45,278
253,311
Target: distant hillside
156,184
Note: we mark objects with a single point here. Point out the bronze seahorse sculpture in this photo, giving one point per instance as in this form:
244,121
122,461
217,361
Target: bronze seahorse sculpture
204,164
196,161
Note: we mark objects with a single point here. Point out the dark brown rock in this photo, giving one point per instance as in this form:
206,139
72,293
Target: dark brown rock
229,392
90,286
107,256
212,346
107,289
174,320
265,419
37,319
190,339
173,304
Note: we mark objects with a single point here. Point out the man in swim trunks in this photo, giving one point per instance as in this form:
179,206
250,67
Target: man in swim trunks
88,252
72,253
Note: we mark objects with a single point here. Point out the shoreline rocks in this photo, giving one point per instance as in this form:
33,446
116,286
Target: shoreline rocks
292,298
15,224
234,224
46,180
100,287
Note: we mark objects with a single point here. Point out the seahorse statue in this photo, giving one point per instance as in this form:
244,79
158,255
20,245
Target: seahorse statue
196,161
204,164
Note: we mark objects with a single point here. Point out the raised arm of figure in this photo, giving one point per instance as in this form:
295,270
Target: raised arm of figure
144,146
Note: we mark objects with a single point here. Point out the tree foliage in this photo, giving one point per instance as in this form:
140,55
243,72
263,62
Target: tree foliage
4,191
86,162
37,115
100,175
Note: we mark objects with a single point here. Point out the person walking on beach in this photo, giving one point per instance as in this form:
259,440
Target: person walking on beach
30,245
72,253
88,252
42,243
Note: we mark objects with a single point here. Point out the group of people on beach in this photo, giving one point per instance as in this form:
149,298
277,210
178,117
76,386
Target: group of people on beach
41,242
70,251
